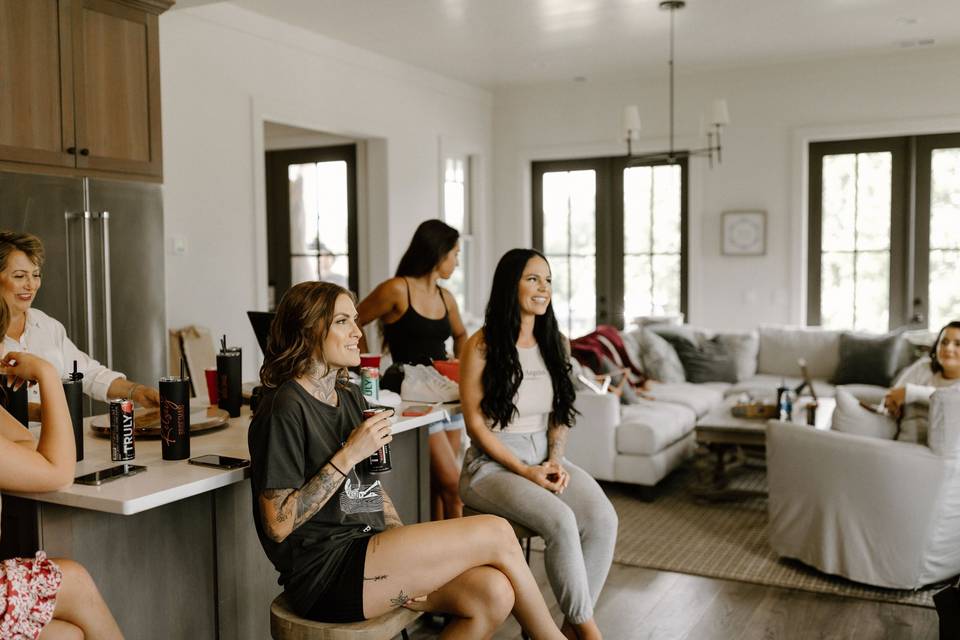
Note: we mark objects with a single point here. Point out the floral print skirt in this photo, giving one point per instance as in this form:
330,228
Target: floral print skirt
28,595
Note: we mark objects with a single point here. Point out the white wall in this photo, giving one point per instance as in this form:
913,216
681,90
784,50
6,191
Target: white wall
224,72
776,110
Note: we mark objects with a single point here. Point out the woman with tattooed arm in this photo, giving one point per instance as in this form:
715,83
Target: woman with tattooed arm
327,524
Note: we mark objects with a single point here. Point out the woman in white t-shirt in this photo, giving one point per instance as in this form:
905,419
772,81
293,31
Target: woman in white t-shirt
39,594
31,330
517,399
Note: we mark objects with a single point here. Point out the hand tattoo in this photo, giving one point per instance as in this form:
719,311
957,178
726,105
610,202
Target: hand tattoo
400,600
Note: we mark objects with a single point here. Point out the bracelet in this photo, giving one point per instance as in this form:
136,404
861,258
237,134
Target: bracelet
133,390
337,468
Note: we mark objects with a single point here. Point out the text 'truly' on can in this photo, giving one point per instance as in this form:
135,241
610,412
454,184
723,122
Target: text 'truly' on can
121,431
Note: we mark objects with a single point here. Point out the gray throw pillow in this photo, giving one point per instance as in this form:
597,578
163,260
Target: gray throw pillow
660,360
869,359
743,349
708,361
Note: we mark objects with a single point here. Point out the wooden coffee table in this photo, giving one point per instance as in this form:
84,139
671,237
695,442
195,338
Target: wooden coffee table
730,440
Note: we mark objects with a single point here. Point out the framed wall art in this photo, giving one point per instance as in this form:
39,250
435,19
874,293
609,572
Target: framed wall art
744,233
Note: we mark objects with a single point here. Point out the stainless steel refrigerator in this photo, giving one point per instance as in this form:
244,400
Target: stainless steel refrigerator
103,275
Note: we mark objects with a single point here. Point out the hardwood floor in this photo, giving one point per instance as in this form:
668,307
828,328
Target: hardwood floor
643,604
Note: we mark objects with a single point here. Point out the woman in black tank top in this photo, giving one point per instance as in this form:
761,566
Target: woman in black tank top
418,316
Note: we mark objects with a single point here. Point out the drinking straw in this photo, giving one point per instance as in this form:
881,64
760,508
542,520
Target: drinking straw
182,373
223,343
74,375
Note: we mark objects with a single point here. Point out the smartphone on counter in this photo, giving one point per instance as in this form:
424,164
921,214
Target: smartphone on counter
112,473
220,462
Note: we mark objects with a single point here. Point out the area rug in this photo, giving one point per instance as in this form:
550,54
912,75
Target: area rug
682,533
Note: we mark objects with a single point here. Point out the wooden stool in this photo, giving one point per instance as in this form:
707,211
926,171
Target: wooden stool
524,535
286,625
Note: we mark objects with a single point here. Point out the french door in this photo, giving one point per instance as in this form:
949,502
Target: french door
884,237
615,236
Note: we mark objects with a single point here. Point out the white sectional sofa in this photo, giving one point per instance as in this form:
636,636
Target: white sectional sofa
641,443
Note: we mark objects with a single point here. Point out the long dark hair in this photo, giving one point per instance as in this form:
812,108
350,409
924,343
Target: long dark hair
935,365
432,240
301,325
502,373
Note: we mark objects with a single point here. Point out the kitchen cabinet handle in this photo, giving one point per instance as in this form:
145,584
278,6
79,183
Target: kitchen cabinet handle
105,271
84,151
72,151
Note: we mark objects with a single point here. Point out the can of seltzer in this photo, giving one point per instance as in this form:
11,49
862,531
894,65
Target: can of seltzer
370,382
121,430
379,461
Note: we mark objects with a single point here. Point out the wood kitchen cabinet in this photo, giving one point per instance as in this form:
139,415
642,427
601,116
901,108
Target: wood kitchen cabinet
80,87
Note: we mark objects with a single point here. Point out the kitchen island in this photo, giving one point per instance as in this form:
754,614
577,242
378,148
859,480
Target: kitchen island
174,550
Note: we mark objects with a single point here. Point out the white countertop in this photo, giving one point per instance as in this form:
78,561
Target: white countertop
167,481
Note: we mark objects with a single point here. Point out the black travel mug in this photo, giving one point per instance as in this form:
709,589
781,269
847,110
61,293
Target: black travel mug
15,402
228,380
175,418
73,390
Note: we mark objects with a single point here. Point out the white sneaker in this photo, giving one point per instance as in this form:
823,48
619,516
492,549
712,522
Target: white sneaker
425,384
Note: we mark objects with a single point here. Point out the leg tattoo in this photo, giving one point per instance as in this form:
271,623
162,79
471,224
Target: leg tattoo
375,578
400,600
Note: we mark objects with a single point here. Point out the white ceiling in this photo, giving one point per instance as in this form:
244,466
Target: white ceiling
505,42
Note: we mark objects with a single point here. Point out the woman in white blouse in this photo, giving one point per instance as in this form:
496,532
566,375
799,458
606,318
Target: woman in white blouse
31,330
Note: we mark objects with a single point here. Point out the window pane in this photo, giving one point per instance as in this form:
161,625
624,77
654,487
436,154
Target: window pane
318,207
666,209
327,267
637,203
455,194
872,293
836,290
574,294
945,199
873,200
838,202
666,285
583,203
556,207
637,281
944,292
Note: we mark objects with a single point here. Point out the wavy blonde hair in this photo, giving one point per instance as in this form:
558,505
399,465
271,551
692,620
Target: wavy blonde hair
299,328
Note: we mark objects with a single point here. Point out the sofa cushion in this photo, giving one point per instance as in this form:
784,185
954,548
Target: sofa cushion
743,349
660,360
699,398
649,426
869,359
781,348
850,417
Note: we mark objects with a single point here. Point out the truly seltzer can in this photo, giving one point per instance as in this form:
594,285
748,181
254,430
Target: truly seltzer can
370,382
121,430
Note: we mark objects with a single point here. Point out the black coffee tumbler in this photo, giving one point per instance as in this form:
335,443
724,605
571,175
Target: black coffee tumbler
16,404
73,390
228,380
175,417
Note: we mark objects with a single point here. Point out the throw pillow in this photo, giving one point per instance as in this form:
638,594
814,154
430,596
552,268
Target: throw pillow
743,349
868,359
850,417
660,360
708,361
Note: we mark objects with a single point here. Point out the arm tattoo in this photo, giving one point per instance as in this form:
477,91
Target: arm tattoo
557,441
400,600
390,516
303,503
376,578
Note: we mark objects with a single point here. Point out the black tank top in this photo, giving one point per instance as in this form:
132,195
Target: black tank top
414,339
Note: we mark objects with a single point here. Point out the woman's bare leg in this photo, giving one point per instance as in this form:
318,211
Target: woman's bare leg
445,474
60,630
417,560
80,603
481,599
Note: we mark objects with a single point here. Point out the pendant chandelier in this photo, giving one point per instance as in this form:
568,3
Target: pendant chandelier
719,117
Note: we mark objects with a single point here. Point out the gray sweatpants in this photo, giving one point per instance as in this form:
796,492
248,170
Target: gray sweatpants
578,526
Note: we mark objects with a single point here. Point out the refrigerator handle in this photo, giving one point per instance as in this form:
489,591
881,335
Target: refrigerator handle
67,217
105,264
88,281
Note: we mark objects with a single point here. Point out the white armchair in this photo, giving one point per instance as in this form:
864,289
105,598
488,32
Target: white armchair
876,511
